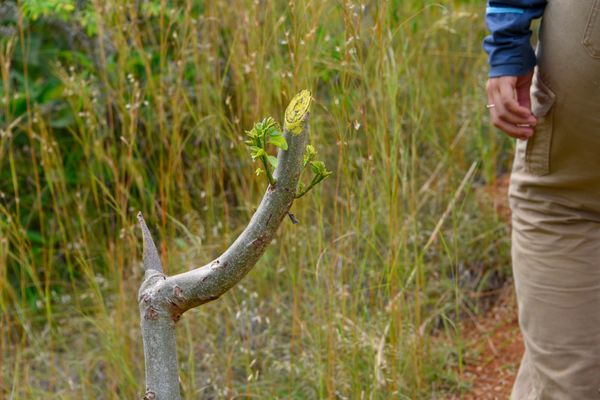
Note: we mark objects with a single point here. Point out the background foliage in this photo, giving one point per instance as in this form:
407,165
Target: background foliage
110,107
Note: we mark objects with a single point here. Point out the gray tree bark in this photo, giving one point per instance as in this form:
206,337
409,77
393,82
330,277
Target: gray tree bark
163,299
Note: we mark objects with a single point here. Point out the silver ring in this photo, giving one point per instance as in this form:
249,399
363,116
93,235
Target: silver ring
488,106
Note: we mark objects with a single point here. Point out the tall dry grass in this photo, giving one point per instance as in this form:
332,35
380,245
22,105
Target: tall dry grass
362,299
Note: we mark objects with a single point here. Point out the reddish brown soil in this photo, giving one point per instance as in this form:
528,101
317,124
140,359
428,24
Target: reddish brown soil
494,341
495,350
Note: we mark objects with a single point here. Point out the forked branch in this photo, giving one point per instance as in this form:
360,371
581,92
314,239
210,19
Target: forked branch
164,299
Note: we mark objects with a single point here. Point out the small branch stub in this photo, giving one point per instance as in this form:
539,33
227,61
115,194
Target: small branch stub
151,257
149,395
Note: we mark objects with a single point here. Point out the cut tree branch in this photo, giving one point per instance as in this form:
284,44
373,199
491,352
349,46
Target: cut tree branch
164,299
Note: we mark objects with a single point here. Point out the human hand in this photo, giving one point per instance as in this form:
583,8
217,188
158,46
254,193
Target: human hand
510,105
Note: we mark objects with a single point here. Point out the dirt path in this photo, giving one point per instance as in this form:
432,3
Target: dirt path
495,352
493,339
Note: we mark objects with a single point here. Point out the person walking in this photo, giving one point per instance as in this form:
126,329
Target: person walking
550,101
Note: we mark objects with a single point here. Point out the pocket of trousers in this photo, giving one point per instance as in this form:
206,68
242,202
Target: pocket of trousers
537,153
591,37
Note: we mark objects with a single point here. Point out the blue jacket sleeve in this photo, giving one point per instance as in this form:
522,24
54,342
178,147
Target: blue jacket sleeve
508,46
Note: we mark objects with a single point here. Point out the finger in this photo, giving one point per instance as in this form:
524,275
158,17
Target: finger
505,113
490,97
520,132
502,113
492,107
524,98
519,113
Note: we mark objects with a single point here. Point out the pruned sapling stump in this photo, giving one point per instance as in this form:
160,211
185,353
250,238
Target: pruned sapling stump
163,299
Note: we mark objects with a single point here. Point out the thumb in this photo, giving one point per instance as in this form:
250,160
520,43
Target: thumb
523,96
522,88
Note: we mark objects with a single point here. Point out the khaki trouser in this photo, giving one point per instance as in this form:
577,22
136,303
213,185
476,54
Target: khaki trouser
555,198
